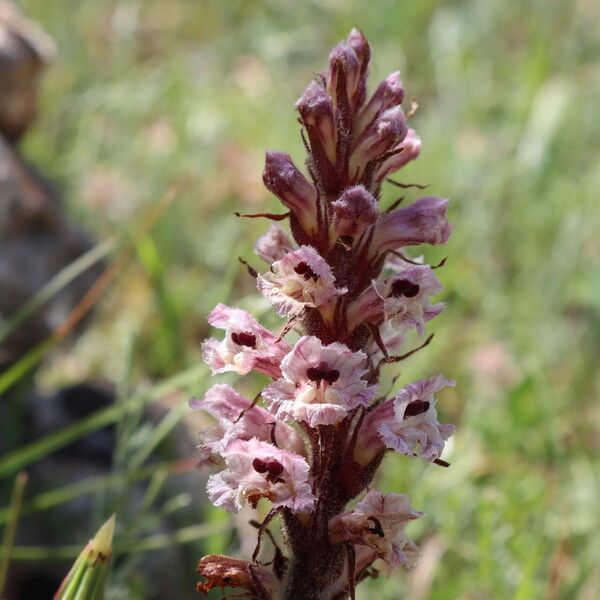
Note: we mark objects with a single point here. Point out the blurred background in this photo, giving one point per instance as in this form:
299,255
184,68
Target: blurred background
152,125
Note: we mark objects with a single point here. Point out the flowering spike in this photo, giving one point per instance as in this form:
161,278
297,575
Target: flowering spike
312,440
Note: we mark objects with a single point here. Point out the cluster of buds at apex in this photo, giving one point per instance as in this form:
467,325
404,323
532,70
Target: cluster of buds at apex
311,441
346,78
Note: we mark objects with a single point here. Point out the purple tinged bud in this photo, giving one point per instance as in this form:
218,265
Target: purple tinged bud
423,222
390,93
344,76
282,178
377,139
408,150
358,42
353,213
316,109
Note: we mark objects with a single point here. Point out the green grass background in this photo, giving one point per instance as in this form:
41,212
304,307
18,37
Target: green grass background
148,94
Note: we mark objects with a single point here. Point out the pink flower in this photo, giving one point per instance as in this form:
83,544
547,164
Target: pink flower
256,470
238,419
299,280
402,300
247,345
406,297
378,521
414,429
320,384
423,222
274,245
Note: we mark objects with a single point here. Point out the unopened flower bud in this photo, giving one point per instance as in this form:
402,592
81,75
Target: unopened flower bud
358,42
390,93
343,78
353,213
377,139
316,109
423,222
281,177
408,150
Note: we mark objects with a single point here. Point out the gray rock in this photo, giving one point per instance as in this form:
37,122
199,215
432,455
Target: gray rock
36,242
25,51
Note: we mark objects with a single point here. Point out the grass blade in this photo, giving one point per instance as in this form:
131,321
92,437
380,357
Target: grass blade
28,454
10,530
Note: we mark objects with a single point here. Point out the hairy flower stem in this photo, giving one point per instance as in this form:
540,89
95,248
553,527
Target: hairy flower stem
312,571
315,563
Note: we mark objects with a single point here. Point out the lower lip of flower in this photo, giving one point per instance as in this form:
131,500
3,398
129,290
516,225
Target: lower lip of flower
238,360
293,289
321,393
